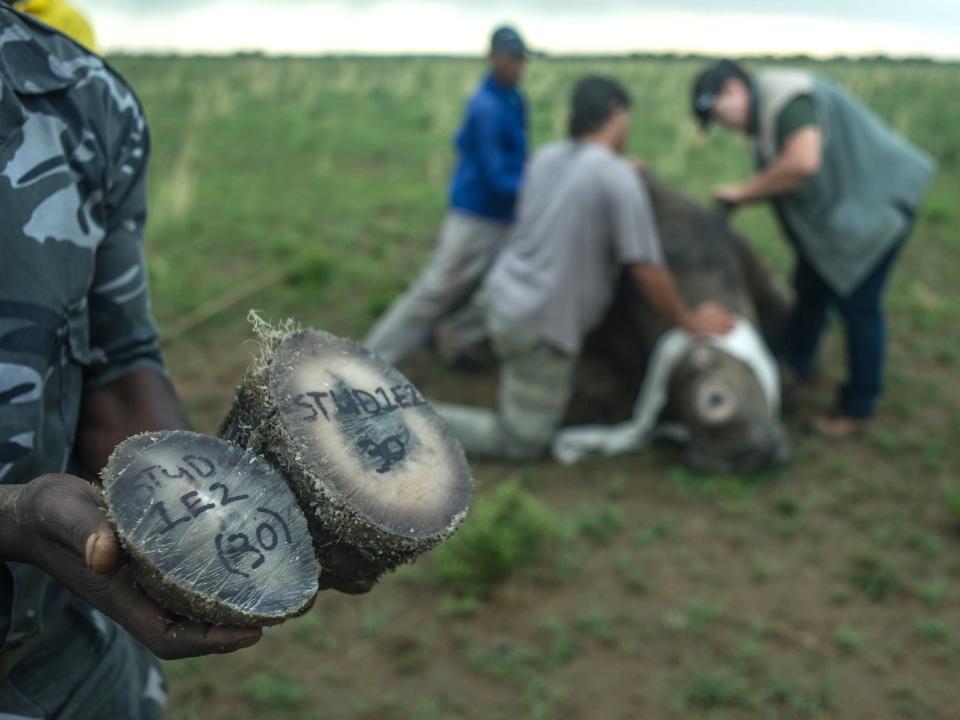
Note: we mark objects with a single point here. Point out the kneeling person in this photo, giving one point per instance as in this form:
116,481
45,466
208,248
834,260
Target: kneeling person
584,216
492,144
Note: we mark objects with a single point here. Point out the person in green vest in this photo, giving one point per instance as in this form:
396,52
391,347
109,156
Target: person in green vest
846,189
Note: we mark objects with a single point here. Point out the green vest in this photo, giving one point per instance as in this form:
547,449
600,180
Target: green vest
853,211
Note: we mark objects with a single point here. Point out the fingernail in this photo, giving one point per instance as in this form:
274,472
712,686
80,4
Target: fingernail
91,548
247,642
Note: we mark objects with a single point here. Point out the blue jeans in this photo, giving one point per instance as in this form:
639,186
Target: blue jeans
863,320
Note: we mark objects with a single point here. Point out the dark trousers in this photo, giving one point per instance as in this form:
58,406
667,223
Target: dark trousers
863,320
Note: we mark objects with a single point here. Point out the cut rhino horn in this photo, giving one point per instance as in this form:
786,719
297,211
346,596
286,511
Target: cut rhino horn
213,532
379,475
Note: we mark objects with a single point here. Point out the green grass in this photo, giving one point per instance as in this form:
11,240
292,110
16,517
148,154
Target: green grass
935,593
601,526
272,691
623,588
631,573
933,631
526,668
653,533
951,492
874,576
258,160
599,626
713,690
848,640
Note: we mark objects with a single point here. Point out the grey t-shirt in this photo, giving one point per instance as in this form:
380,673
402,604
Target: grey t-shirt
584,214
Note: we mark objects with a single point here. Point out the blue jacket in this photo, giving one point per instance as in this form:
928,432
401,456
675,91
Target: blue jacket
493,149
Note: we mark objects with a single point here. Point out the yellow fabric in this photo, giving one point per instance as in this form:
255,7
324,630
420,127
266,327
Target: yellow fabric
63,16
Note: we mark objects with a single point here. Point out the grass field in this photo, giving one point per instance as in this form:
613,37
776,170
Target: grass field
619,589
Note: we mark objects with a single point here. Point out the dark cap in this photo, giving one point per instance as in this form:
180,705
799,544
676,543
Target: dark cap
709,85
508,41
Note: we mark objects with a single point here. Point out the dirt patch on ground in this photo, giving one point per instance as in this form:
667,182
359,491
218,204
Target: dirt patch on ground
827,589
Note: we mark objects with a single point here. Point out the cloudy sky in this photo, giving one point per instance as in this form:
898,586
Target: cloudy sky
820,27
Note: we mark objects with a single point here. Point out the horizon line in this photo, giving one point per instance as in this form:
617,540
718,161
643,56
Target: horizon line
540,56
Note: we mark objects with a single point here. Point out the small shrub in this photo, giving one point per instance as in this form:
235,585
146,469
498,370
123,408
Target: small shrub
601,526
312,268
923,543
654,532
371,623
787,507
802,702
708,691
561,645
429,708
933,631
701,613
951,491
617,486
906,702
454,606
597,625
507,530
275,690
631,573
934,592
848,639
874,578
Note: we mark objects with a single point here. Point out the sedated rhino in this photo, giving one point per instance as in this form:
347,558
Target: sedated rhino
728,420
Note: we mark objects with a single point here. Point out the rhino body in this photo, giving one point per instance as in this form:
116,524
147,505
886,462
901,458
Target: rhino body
716,397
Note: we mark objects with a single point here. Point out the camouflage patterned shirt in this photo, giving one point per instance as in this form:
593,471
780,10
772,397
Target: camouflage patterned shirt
74,301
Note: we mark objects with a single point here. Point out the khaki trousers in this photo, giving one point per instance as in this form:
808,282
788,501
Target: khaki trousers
536,382
467,249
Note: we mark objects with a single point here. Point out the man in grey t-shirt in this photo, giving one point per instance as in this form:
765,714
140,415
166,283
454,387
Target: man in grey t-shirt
584,216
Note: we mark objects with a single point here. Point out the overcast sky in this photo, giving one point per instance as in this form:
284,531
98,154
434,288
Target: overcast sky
820,27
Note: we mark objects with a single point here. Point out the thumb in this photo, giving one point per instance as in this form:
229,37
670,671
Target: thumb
67,511
102,551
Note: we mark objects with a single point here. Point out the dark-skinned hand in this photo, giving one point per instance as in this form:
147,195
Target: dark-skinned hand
59,526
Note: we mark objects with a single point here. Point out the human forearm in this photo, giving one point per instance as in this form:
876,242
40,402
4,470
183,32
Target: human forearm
140,401
779,179
799,161
656,284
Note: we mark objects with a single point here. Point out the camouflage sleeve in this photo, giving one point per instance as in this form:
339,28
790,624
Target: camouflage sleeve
122,330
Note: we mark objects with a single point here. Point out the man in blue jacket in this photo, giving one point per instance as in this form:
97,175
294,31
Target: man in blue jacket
492,146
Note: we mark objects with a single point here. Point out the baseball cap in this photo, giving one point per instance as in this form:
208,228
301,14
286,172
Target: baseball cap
507,40
709,84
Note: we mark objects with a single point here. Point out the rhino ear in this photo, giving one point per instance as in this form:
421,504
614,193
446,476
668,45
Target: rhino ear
716,403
